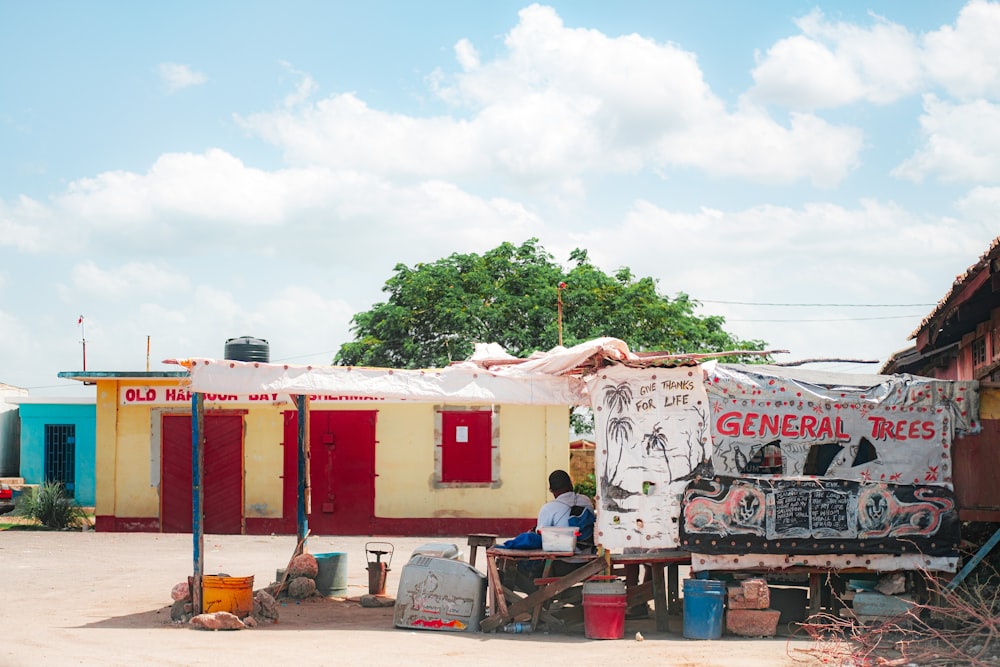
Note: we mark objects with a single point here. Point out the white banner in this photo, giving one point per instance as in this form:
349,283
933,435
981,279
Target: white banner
898,431
652,429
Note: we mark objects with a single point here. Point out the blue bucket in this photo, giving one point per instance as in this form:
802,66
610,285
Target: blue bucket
703,602
331,577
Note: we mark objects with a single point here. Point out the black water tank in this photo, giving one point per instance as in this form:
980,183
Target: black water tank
248,348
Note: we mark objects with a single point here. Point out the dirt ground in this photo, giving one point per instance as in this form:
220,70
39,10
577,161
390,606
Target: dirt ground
86,598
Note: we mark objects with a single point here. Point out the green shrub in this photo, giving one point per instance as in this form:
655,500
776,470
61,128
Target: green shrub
587,486
50,506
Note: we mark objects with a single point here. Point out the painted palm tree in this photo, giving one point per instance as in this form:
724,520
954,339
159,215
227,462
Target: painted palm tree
617,397
619,430
657,439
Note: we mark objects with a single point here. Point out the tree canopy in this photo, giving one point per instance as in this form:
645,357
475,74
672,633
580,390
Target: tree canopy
436,312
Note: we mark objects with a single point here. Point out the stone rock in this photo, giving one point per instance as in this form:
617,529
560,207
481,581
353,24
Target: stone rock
892,584
219,620
250,622
377,601
265,607
752,622
301,587
750,594
303,565
181,591
181,611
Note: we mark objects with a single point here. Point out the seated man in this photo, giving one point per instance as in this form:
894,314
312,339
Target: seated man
564,510
565,505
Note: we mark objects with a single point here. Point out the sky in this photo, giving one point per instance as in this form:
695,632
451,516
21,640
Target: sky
184,173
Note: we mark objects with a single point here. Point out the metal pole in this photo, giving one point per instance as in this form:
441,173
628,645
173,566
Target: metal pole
983,552
559,309
302,402
83,339
197,496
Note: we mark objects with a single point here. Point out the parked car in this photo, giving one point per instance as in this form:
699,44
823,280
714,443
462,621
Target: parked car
6,499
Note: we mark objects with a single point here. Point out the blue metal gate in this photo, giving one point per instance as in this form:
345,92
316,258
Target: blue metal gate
60,455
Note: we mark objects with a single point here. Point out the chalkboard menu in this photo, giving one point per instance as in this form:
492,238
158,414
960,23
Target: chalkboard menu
829,512
809,512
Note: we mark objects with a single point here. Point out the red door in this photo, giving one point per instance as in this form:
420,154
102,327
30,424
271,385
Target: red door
222,475
341,471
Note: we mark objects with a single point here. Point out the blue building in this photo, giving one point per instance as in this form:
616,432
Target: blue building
58,443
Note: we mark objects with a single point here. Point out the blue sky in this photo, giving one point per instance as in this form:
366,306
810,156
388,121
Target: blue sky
192,172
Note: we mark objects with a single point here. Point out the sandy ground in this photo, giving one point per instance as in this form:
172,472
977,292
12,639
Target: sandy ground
86,598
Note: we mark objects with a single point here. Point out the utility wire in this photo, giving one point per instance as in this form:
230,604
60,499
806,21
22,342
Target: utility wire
822,305
838,319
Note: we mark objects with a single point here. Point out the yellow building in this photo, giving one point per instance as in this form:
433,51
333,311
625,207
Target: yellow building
385,464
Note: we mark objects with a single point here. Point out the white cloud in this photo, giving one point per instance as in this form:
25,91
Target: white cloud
177,77
801,73
793,255
22,225
193,204
559,105
961,143
833,63
750,146
304,89
965,59
982,205
466,55
130,280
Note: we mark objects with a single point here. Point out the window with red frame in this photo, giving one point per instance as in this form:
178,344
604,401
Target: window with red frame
466,446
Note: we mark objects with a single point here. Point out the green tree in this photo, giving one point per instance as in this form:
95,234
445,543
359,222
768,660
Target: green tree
436,312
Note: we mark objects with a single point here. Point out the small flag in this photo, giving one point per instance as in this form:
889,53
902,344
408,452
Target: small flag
80,321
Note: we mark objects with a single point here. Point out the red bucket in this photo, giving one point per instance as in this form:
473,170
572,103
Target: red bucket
604,609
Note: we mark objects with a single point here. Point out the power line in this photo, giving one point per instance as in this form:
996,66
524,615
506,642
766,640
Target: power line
822,305
838,319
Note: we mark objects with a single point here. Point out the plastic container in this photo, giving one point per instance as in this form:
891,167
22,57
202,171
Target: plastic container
331,577
517,628
232,594
604,609
703,605
558,538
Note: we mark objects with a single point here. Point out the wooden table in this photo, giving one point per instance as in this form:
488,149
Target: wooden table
505,605
665,593
502,613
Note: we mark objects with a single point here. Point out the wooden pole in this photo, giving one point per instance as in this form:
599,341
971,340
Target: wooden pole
559,316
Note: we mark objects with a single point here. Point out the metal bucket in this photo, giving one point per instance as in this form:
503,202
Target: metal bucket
331,575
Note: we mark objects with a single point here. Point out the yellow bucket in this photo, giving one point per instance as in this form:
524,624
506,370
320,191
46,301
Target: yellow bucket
232,594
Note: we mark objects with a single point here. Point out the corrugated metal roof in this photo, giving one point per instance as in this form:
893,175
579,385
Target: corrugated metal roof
946,303
121,375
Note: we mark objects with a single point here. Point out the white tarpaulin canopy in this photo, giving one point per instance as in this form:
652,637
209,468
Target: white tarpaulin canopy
464,383
491,375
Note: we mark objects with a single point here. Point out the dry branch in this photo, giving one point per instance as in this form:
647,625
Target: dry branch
953,627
